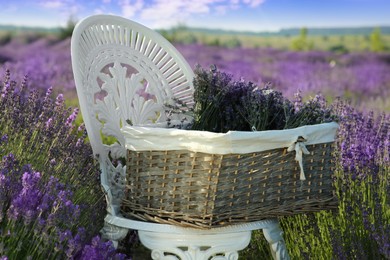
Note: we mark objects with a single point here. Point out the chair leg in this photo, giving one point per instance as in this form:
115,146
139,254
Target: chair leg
113,233
273,234
192,246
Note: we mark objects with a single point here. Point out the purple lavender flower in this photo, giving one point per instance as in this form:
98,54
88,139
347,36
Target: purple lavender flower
4,139
60,101
362,140
76,243
100,250
45,63
72,118
46,206
298,100
25,204
222,104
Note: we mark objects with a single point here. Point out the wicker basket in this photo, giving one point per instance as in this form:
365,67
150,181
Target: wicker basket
205,190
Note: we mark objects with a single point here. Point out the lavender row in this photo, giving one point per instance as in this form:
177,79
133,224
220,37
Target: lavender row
361,76
47,63
51,205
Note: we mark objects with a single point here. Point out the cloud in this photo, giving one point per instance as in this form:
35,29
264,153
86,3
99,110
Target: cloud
156,13
222,9
54,4
163,13
64,9
170,8
64,6
253,3
130,8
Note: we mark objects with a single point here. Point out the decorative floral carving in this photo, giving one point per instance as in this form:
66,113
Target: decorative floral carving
127,101
116,181
219,246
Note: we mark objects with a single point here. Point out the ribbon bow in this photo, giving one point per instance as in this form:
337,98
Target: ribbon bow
300,149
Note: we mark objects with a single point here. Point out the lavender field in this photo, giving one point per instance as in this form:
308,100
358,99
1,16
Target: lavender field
362,77
47,212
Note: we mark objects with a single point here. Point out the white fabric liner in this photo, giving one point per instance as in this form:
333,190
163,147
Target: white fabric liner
140,138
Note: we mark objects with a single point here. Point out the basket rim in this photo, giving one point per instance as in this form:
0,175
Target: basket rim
146,138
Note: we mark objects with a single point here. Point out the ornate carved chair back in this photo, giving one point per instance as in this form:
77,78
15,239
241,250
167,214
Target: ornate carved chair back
125,73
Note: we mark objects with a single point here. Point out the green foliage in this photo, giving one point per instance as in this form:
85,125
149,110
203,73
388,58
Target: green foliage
339,48
165,34
232,43
376,42
67,31
189,39
214,42
228,42
301,43
179,34
5,38
351,42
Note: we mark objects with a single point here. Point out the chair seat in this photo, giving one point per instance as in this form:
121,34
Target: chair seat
167,228
201,244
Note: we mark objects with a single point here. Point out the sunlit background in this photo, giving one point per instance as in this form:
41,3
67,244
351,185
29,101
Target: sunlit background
248,15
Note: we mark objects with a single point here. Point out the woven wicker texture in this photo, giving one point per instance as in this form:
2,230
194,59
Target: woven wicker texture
208,190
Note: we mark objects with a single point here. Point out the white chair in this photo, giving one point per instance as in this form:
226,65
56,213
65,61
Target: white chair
125,73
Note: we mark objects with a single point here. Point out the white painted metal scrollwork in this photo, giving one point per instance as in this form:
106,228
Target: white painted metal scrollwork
274,236
191,254
115,184
113,233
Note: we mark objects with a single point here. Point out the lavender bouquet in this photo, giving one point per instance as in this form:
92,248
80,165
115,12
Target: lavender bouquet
223,104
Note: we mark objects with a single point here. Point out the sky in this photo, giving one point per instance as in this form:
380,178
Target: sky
247,15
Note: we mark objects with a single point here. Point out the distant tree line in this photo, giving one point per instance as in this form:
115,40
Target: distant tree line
303,39
302,43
